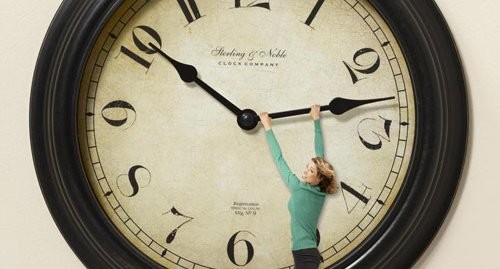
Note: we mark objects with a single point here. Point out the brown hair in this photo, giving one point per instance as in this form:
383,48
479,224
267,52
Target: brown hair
328,179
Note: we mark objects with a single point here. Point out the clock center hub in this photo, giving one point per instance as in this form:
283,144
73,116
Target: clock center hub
248,119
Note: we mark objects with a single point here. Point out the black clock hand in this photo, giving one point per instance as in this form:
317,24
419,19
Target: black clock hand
337,106
188,73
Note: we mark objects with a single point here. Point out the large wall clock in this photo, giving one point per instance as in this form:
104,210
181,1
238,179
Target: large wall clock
150,155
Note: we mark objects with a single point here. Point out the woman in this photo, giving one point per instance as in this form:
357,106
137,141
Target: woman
307,194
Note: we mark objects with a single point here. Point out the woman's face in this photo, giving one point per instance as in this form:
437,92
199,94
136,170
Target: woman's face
310,174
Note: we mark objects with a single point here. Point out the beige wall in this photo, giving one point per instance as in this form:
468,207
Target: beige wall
468,239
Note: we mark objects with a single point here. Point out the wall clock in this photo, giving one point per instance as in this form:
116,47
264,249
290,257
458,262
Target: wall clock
149,153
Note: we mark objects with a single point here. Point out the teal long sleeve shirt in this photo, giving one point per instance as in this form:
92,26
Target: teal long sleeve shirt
306,201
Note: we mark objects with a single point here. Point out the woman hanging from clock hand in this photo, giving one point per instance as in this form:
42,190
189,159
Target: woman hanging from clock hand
307,194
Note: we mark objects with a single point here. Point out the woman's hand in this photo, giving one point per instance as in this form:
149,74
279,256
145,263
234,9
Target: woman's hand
315,109
266,120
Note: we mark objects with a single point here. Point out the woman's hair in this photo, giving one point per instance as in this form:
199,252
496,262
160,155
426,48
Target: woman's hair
328,180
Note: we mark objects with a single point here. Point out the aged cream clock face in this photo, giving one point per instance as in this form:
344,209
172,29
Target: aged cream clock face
177,176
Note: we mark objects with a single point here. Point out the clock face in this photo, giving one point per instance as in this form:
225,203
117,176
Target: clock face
177,176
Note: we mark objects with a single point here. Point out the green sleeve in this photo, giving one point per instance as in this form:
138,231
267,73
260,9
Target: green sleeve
286,174
318,139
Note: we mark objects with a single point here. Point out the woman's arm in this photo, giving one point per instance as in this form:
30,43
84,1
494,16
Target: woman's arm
318,135
284,169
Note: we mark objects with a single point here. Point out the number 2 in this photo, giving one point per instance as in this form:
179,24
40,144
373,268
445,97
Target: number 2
262,4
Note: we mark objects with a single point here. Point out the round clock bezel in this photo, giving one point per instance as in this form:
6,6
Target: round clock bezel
397,242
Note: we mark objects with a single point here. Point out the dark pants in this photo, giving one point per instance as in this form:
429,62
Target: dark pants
307,258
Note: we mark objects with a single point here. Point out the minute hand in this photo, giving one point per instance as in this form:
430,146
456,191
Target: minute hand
337,106
188,73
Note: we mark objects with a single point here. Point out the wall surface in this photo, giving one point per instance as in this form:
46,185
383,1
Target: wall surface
468,238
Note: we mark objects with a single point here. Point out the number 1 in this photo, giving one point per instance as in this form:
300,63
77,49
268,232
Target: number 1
314,12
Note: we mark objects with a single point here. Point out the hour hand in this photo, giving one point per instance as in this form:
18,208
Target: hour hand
188,73
337,106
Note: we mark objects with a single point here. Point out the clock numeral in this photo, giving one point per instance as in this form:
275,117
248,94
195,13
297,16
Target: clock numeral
138,177
192,12
363,68
262,4
141,45
231,245
135,57
350,193
314,12
371,129
171,236
119,114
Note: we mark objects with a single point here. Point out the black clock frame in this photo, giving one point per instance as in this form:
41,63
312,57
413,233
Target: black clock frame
398,241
